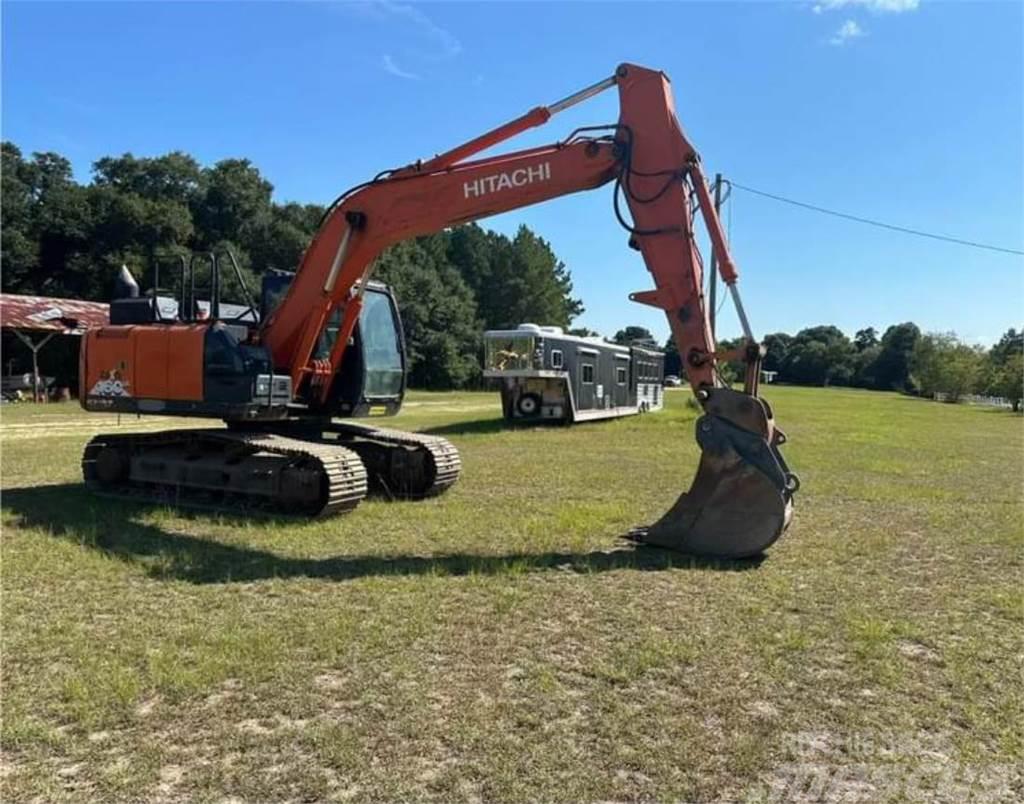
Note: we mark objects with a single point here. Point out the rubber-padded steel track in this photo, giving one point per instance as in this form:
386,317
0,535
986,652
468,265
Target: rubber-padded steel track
380,447
343,480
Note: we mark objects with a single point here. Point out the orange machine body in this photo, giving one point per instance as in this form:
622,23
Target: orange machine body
141,363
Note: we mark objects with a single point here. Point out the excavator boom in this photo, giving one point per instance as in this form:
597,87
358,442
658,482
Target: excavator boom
741,498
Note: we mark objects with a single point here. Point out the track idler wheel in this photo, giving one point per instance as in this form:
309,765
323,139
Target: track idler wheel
740,501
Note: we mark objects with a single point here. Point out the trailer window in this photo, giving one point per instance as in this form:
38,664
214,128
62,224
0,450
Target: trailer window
588,374
556,358
620,375
511,353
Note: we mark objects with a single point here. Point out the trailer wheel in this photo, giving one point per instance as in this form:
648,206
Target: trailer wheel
528,405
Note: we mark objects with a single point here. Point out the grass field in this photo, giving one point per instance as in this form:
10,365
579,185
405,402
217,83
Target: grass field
502,642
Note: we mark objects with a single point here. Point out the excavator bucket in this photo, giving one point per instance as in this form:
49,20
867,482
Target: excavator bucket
740,501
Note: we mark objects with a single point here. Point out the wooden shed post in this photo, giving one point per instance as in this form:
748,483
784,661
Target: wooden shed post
34,348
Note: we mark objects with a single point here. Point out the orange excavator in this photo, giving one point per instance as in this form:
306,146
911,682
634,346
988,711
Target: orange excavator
326,345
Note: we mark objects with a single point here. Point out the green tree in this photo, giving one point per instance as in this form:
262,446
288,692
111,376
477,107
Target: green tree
62,224
1011,343
673,360
864,363
941,364
1008,381
438,313
635,334
476,252
173,177
137,217
19,246
776,347
891,370
865,339
820,355
515,281
283,241
235,203
1003,368
964,370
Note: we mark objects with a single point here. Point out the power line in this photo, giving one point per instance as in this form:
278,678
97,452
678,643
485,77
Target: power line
880,224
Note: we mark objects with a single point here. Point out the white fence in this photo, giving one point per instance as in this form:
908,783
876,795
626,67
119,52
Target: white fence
976,399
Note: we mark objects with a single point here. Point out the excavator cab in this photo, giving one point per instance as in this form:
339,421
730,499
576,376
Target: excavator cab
373,382
217,368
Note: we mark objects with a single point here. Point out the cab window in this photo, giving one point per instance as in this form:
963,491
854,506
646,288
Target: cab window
382,356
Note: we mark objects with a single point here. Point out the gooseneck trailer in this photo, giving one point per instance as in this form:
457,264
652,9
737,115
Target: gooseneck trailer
546,375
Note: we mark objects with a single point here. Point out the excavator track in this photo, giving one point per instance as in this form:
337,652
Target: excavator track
400,464
226,470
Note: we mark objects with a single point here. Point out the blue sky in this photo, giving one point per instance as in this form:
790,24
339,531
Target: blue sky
909,112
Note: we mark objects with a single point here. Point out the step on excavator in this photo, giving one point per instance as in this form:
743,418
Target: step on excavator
325,345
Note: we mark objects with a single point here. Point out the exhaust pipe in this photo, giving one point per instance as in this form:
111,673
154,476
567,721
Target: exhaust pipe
125,286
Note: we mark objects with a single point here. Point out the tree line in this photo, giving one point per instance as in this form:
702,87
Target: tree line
902,359
66,239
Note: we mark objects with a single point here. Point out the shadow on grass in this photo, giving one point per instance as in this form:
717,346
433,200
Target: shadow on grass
488,426
470,427
69,512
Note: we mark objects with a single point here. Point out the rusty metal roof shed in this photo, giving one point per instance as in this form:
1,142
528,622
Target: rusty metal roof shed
47,314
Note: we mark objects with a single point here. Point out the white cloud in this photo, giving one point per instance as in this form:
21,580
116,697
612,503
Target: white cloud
877,6
442,42
847,31
394,69
410,34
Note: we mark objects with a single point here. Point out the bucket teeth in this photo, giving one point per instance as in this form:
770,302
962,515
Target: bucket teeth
740,501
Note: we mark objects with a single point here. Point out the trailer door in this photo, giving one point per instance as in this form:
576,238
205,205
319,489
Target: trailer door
586,378
621,381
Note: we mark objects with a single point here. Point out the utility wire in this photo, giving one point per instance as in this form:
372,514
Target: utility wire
880,224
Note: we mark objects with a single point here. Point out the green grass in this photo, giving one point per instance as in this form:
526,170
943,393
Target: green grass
503,643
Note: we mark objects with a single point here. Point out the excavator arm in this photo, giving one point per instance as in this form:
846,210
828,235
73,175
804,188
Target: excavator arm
741,497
